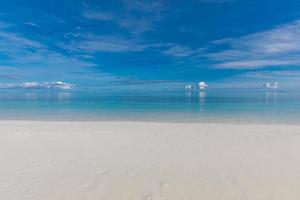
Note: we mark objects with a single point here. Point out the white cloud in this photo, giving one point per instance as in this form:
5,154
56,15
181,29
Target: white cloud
31,24
276,47
94,43
146,6
188,87
136,16
130,22
60,85
37,85
280,74
27,58
102,16
202,85
253,64
20,50
256,79
271,85
11,41
178,51
137,24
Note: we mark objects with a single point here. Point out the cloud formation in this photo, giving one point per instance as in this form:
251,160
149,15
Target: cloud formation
113,44
178,51
136,16
279,46
271,85
21,50
188,87
115,37
275,75
146,6
36,85
101,16
202,85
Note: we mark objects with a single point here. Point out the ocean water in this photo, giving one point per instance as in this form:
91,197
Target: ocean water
227,105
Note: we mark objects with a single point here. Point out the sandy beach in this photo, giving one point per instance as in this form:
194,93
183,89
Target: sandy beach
148,161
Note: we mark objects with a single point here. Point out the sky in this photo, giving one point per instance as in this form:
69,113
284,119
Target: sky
150,43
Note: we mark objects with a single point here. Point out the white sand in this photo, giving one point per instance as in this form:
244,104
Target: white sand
140,160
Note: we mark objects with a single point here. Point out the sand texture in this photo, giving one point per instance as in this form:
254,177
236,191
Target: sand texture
148,161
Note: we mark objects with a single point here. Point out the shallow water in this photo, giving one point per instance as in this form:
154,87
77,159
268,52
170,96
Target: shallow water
230,105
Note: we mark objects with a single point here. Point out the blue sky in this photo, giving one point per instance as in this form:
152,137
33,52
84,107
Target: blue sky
140,43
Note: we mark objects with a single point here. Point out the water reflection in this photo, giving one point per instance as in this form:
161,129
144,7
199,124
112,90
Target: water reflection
34,96
29,96
189,96
62,96
194,104
202,97
271,96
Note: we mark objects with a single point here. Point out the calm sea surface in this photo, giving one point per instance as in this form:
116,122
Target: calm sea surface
274,106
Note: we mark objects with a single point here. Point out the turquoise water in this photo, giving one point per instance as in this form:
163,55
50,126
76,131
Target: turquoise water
280,106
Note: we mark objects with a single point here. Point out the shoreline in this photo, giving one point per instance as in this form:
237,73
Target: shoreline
217,122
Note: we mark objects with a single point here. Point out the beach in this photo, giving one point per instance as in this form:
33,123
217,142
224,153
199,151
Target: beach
117,160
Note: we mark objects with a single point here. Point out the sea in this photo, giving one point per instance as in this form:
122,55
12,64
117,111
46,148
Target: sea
280,106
